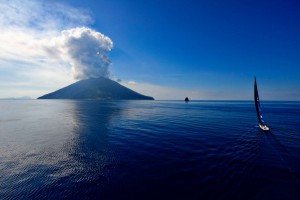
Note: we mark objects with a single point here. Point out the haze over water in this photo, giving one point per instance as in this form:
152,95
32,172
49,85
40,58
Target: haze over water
148,150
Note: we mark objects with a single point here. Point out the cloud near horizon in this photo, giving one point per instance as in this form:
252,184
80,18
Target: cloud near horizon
163,92
160,92
45,46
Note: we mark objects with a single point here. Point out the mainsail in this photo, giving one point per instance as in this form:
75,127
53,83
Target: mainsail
257,105
261,121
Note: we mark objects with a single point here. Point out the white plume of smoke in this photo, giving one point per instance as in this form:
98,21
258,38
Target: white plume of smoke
87,52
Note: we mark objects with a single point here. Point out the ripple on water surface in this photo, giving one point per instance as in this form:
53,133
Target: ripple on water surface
148,149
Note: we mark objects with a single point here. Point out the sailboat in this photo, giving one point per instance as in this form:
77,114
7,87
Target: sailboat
261,122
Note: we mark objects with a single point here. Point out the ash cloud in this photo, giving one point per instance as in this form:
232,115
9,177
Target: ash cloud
87,52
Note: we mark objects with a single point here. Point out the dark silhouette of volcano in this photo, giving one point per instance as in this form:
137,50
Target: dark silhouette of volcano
96,88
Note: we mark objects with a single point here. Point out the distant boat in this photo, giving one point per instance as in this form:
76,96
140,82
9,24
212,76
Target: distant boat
261,121
186,99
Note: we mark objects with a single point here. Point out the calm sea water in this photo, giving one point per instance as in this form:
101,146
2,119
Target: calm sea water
56,149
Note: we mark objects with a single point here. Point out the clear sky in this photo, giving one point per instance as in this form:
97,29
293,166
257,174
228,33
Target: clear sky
166,49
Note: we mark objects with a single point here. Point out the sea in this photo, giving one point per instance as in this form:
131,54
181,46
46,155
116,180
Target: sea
89,149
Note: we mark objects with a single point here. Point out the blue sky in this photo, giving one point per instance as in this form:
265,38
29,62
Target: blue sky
201,49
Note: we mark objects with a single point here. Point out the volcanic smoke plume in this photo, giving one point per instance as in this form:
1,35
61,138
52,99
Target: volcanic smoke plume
86,51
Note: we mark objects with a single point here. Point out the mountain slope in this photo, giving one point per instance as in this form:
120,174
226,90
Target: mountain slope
96,88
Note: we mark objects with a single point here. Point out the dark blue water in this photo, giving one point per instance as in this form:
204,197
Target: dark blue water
52,149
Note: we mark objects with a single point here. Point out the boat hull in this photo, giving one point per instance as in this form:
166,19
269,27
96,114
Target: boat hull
264,127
